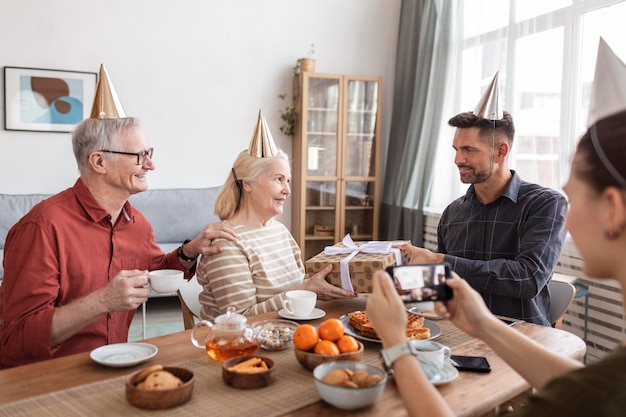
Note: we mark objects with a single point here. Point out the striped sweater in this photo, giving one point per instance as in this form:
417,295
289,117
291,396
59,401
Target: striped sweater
251,273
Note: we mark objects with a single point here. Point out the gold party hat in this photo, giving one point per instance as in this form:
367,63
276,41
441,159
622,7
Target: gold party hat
106,103
489,106
262,143
608,94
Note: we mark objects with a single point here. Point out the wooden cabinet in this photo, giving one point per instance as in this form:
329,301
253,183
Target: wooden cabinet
336,160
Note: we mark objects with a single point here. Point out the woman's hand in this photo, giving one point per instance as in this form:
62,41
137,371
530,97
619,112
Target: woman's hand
466,309
325,291
386,310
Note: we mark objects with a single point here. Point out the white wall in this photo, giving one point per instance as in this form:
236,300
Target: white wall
195,71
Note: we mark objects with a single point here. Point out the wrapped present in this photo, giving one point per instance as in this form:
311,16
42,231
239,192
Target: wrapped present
354,264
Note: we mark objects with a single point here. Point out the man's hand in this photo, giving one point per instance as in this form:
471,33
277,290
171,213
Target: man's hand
421,255
202,244
126,291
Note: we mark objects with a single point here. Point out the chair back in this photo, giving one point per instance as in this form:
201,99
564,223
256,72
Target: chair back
190,305
561,297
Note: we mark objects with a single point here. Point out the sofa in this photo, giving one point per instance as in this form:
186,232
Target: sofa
175,214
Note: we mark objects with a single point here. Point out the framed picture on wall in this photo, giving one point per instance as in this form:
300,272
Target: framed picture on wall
46,100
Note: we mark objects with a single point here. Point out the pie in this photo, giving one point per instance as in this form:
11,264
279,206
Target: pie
415,328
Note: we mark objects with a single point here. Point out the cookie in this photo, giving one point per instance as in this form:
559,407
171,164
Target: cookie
143,374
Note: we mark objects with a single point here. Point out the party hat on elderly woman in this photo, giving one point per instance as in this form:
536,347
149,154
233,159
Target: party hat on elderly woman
106,103
608,94
262,143
489,106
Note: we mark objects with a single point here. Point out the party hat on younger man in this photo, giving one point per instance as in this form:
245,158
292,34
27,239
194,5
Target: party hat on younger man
489,106
106,103
608,94
262,143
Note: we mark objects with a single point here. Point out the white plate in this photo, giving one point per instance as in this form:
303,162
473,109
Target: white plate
315,314
435,331
447,374
430,315
119,355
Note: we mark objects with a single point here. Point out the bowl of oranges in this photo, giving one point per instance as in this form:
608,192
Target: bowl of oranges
328,343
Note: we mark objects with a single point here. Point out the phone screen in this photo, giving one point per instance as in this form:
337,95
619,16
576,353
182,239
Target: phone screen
470,363
421,282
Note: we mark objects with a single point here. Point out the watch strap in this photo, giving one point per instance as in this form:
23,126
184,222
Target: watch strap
182,255
395,352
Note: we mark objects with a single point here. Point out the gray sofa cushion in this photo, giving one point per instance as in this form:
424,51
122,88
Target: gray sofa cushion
177,214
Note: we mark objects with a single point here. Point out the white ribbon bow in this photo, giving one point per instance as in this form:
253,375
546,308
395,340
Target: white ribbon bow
381,247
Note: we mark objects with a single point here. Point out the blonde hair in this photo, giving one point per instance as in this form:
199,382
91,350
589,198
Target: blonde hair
247,168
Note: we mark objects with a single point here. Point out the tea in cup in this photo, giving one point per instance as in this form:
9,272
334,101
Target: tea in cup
165,281
431,356
300,303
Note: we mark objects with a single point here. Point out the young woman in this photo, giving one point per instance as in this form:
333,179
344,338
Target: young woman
597,222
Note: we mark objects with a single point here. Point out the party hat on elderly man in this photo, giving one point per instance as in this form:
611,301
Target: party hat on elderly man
489,107
262,143
608,94
106,103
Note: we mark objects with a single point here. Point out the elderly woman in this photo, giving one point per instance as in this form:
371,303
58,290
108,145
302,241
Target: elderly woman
253,272
596,220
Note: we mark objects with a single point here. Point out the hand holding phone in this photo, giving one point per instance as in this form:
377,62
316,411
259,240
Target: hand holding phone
421,282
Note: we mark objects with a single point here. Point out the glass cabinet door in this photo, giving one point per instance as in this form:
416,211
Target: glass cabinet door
360,128
322,124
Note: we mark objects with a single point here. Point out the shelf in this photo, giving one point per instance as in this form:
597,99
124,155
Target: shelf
320,208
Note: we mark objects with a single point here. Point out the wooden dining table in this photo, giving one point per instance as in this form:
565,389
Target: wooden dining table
76,385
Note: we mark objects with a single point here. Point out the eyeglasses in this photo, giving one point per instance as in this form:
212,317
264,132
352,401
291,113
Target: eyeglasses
141,156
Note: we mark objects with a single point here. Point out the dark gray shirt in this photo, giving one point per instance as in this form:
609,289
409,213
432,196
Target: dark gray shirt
507,249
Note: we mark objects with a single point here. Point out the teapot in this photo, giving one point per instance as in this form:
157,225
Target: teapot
229,336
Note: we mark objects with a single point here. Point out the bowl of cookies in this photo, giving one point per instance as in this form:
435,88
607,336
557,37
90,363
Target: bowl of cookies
159,387
249,372
349,385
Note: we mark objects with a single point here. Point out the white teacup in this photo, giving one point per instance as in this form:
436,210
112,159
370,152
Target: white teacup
431,356
165,281
300,303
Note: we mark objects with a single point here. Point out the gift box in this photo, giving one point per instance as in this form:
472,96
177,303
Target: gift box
359,266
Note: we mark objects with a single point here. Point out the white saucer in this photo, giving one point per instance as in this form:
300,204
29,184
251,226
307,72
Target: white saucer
119,355
447,374
315,314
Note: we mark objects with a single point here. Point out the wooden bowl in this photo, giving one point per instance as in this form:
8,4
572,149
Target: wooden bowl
160,399
248,381
310,360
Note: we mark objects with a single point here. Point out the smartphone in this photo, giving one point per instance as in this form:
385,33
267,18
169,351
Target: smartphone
421,282
470,363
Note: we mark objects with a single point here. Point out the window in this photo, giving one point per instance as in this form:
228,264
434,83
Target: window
545,52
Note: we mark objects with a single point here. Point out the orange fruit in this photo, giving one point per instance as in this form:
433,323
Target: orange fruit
331,329
305,337
326,347
347,343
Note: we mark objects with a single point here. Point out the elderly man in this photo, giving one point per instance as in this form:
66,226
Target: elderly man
76,265
505,235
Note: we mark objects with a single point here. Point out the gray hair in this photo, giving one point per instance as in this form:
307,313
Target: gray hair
95,134
247,168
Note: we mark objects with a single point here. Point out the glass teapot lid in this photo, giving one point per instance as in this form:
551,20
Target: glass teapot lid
231,320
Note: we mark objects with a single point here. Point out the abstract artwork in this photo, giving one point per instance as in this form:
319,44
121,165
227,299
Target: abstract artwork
46,100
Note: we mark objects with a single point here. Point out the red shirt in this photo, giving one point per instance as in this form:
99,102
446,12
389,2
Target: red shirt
63,249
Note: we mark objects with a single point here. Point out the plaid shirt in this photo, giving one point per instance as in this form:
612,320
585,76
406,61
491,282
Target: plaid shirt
507,249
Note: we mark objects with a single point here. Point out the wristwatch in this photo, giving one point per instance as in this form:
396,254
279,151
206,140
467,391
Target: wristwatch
395,352
182,255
